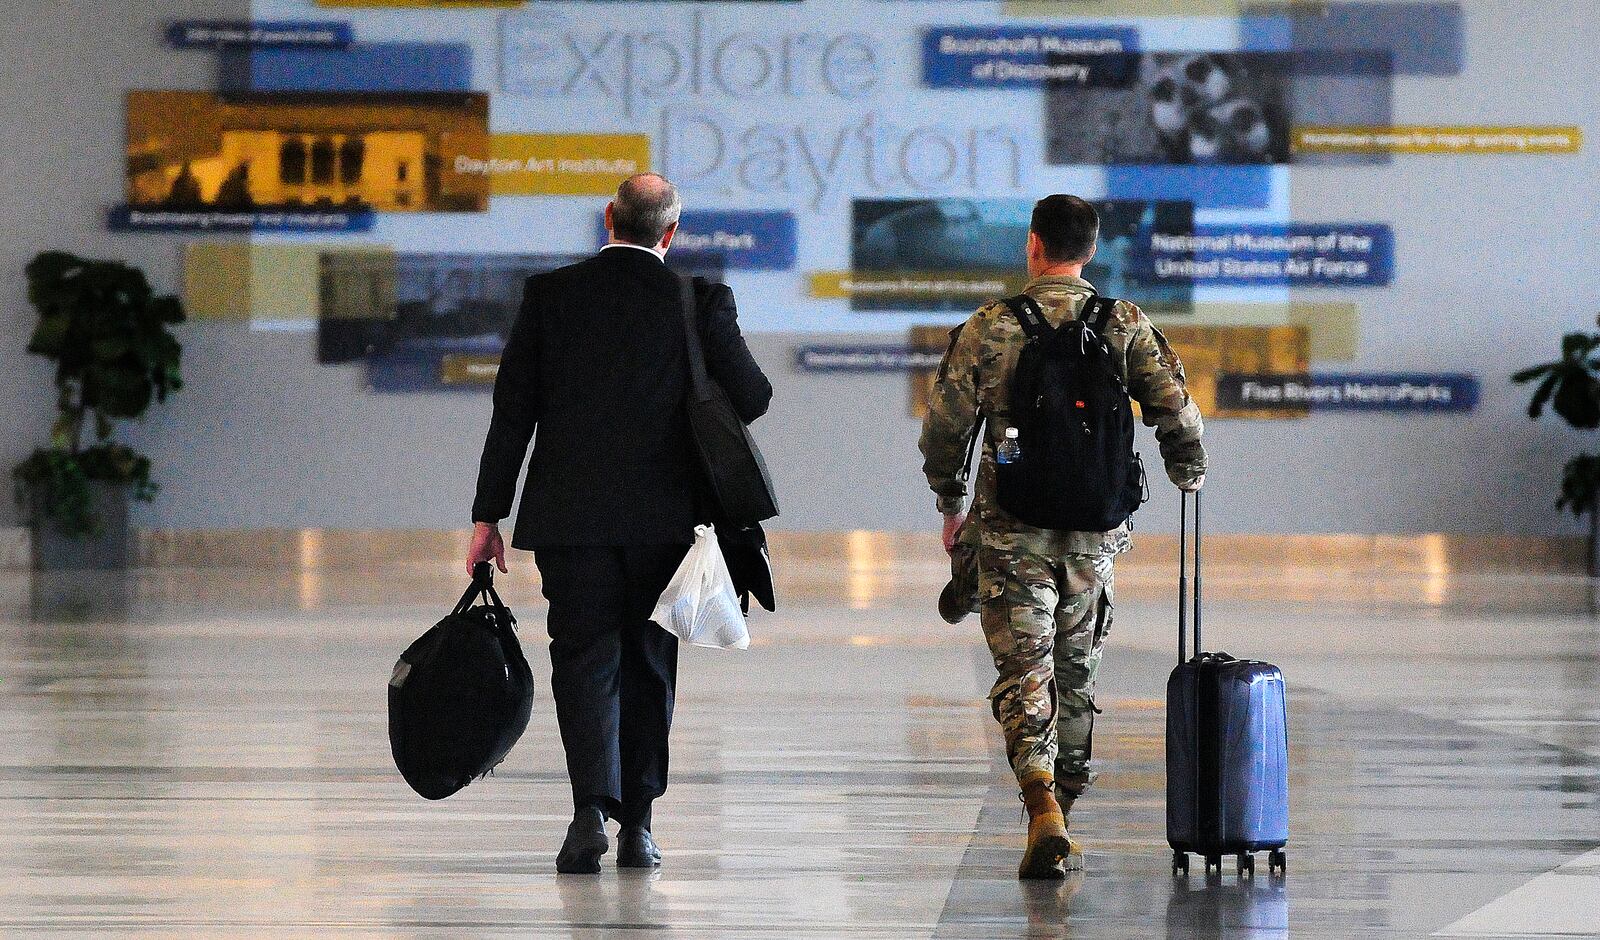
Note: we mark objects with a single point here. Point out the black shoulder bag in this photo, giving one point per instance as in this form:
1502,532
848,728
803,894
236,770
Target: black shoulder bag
733,464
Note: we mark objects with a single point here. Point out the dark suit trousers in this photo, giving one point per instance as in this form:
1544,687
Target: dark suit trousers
613,672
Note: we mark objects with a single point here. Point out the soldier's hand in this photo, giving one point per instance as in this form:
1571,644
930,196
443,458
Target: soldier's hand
1193,486
952,527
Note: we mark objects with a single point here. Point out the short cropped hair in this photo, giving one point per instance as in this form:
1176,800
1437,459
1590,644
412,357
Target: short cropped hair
646,206
1067,226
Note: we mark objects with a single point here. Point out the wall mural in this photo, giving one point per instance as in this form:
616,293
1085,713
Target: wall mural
864,167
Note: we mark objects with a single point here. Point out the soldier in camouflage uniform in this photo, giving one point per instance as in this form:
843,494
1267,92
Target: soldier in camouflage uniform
1044,596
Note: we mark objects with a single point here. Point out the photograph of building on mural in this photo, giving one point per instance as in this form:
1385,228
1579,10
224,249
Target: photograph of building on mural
387,152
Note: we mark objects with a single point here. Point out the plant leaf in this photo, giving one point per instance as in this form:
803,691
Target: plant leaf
50,336
1533,372
1542,395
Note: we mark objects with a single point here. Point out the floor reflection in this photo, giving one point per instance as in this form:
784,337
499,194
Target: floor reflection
204,753
82,596
1228,906
599,906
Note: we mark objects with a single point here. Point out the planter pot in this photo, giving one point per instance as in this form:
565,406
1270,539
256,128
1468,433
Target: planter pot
107,550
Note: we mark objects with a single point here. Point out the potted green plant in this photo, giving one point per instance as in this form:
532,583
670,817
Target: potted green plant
1571,387
107,332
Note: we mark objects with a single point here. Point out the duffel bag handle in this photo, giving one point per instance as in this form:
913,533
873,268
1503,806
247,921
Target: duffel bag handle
483,586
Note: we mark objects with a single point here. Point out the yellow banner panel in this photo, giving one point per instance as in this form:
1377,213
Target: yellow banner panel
1333,329
555,164
1437,140
1054,9
216,281
977,287
461,369
1210,351
429,4
237,280
934,339
241,281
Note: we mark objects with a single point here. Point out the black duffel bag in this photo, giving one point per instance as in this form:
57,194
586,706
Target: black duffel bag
460,695
733,464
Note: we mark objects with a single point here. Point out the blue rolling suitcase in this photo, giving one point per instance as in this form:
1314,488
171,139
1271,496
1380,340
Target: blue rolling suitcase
1227,746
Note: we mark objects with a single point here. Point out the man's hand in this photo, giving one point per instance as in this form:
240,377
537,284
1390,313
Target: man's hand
952,526
487,545
1193,486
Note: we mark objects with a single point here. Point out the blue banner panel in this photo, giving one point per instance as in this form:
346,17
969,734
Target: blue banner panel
1313,255
1208,187
884,357
148,219
742,240
364,67
1356,391
261,34
1425,38
1018,56
413,370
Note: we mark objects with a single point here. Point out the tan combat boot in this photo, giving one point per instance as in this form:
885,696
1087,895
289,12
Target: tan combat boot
1049,853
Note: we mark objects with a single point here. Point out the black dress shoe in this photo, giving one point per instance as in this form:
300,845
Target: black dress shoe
586,842
635,848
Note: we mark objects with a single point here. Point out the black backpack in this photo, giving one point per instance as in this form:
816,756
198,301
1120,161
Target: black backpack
460,695
1077,470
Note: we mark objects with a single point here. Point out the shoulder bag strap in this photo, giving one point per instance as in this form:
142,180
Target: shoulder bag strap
1027,312
691,335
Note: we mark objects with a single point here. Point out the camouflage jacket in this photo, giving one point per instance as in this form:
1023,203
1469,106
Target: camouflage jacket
974,384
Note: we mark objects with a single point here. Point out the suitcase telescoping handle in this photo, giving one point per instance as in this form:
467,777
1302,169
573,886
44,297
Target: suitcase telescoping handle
1183,576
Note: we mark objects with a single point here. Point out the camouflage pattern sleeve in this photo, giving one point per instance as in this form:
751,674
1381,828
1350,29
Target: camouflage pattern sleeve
952,417
1156,382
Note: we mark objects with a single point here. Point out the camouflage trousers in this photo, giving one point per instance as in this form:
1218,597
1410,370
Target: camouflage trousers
1045,616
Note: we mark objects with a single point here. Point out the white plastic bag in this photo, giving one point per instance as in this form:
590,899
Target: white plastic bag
699,605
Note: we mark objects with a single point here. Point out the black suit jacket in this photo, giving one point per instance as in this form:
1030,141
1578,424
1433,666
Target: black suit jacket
596,363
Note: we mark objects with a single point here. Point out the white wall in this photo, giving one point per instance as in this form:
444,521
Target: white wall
1496,256
63,67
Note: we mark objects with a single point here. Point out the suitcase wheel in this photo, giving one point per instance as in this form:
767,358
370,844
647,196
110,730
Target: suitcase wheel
1214,862
1247,865
1278,862
1180,864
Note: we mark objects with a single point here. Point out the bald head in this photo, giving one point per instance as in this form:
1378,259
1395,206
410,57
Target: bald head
646,206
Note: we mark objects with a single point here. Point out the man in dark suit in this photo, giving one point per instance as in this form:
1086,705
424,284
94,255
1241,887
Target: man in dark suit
597,364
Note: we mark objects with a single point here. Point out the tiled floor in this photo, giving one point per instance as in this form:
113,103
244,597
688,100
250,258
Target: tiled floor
207,756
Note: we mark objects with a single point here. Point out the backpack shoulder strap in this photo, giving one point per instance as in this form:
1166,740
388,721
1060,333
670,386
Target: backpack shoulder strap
1027,312
1097,313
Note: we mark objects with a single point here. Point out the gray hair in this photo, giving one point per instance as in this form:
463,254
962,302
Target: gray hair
647,204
